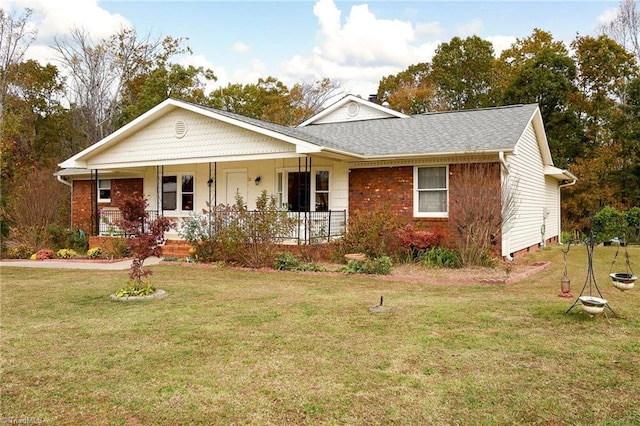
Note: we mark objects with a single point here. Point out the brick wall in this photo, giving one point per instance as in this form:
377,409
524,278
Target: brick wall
369,188
81,209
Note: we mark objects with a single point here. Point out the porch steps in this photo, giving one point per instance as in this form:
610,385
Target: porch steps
172,248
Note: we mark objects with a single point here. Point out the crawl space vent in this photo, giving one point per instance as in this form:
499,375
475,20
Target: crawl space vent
180,129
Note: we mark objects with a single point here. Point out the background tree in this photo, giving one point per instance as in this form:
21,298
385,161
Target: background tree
625,27
271,100
310,97
464,72
538,69
410,91
15,38
101,71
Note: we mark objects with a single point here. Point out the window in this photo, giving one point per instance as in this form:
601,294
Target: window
172,193
303,191
187,192
322,191
104,190
431,197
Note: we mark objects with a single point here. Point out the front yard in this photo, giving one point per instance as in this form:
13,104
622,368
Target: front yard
229,346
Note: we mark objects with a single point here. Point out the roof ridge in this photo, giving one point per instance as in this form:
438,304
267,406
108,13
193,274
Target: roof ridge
475,109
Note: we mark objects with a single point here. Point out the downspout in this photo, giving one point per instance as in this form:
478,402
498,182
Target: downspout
505,169
64,181
563,185
503,162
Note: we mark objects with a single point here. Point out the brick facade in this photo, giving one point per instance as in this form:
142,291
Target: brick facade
369,188
84,190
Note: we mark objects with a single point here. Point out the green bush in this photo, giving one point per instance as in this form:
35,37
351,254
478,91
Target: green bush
233,234
632,217
66,253
440,257
377,266
287,261
136,289
64,238
607,224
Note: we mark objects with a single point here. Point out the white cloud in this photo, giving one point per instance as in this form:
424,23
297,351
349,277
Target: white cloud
501,43
430,30
240,47
606,17
362,49
470,28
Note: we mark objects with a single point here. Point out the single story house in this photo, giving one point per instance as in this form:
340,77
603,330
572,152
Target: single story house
355,154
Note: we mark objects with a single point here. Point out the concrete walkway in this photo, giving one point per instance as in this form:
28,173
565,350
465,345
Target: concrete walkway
70,264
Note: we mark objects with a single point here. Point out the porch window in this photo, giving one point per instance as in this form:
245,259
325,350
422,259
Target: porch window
172,193
104,190
431,195
322,191
303,191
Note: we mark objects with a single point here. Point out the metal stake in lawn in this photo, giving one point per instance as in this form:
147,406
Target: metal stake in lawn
591,279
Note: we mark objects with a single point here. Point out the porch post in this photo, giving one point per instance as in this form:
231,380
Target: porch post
95,219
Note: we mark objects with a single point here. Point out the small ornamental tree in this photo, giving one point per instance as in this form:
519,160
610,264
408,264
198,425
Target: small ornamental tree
146,240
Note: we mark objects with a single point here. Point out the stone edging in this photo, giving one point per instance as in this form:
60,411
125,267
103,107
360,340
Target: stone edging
156,295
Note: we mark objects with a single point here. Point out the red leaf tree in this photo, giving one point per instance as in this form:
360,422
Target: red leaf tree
146,236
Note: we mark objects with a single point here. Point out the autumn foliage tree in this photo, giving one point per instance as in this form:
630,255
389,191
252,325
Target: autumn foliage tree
146,238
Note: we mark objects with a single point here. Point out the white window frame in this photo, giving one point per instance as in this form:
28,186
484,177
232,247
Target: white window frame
281,185
417,191
104,200
178,209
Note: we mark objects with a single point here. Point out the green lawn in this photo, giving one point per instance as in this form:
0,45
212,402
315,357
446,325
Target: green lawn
244,347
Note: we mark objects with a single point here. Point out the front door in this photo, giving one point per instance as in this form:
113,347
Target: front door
236,184
298,191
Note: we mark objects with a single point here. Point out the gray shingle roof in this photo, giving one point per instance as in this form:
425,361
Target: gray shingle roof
488,129
432,133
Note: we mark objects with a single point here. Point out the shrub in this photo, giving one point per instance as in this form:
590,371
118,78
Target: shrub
235,235
416,240
484,206
19,252
34,205
632,217
66,238
440,257
135,288
288,262
372,232
95,253
66,253
607,224
377,266
45,254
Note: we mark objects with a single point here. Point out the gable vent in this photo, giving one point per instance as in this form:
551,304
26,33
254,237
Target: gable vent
180,129
353,109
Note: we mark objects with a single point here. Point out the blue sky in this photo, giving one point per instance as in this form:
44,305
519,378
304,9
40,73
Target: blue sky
354,42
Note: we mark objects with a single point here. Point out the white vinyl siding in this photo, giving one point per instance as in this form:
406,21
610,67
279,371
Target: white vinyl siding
535,195
205,138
